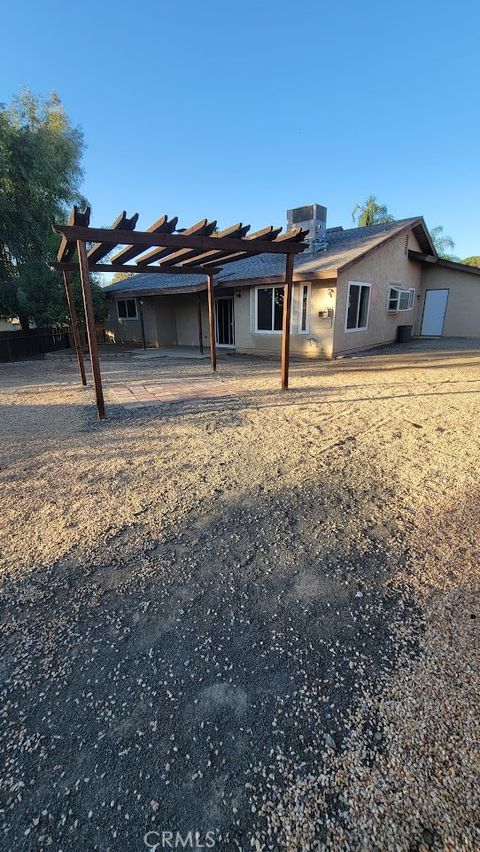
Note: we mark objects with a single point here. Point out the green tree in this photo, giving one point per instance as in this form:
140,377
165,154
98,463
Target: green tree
371,213
444,244
40,175
474,260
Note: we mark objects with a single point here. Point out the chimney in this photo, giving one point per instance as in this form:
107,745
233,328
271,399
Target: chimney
314,218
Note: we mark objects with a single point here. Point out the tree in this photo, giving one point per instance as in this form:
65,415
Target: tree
371,213
120,276
40,175
443,243
472,261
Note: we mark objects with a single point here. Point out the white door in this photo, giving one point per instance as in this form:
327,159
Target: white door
434,312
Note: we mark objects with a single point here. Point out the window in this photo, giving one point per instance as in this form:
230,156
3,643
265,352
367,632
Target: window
304,308
400,300
269,309
127,308
357,307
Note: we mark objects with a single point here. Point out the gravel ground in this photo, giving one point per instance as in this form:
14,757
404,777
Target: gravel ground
255,617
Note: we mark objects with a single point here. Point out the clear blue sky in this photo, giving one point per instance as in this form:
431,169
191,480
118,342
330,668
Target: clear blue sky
241,110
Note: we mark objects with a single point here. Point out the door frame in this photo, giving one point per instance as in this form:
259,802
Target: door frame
223,299
434,290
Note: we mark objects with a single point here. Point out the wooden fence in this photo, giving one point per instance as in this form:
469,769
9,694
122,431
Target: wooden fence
15,345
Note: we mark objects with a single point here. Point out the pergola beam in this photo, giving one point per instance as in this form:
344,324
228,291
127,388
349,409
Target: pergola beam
135,270
182,240
183,255
211,256
194,251
204,228
164,225
271,234
122,223
76,217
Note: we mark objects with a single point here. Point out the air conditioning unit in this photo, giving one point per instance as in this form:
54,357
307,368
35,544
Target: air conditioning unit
311,217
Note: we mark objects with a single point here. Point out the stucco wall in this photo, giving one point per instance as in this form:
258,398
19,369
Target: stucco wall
186,317
173,320
168,320
316,343
159,322
123,330
388,264
462,317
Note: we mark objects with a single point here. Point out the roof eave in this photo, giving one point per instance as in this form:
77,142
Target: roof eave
149,291
298,277
442,261
409,226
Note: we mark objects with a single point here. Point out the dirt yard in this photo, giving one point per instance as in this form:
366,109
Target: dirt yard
252,617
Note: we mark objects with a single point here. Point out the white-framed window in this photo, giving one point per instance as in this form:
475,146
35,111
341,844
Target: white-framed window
400,299
304,309
268,310
358,303
127,308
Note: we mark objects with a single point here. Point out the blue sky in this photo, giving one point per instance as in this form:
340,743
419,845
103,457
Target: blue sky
237,111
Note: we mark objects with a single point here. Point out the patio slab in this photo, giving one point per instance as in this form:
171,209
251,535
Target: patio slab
140,394
186,352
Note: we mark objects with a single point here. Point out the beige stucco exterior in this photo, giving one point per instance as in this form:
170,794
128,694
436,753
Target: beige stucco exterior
388,264
315,342
462,317
172,320
168,321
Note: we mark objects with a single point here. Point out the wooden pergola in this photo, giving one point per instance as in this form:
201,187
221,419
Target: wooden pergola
162,249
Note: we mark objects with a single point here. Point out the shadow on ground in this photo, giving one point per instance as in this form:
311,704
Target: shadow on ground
142,692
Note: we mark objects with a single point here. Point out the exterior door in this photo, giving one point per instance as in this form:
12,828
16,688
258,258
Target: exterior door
224,322
434,312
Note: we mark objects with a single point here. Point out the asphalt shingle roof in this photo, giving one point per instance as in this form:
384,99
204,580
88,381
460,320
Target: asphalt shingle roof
343,246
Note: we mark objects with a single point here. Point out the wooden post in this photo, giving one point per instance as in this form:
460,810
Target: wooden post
74,323
142,323
287,311
200,329
211,321
90,323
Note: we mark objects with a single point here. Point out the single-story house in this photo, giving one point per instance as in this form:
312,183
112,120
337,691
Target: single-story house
353,288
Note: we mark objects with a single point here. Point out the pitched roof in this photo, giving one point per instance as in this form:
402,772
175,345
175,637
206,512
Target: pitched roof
343,248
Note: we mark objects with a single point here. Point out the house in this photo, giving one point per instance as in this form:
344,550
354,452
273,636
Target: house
353,288
12,324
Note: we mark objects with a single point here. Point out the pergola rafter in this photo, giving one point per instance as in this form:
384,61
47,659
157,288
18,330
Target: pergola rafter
162,226
163,249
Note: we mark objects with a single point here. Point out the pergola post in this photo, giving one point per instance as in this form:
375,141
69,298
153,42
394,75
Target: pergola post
142,323
200,329
90,323
165,250
74,323
287,312
211,322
